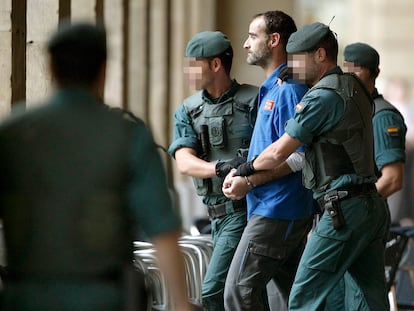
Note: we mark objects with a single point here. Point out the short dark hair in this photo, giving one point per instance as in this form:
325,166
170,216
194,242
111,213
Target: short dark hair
330,44
280,22
77,52
226,59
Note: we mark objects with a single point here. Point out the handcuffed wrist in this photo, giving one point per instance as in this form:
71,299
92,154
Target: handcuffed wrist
249,182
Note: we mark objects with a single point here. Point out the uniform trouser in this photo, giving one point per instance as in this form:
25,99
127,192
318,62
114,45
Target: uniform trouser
226,232
268,249
348,289
346,295
357,248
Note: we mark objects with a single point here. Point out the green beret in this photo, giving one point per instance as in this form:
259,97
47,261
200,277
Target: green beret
362,54
79,36
306,38
207,44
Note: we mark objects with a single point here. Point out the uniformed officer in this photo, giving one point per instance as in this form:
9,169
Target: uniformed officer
389,140
334,120
73,187
212,131
388,123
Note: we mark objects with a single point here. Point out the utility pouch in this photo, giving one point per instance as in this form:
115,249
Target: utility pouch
202,186
242,152
333,208
205,144
217,132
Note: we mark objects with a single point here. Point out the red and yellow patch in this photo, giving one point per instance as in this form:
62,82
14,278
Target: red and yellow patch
299,107
269,105
392,130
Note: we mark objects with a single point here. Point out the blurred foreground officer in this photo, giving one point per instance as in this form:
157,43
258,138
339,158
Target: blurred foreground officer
334,121
212,131
389,127
72,188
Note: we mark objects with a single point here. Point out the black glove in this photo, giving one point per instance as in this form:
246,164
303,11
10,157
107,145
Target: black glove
246,169
223,168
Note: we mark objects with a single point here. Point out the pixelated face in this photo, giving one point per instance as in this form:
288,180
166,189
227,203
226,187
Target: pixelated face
361,72
297,65
303,67
257,43
351,67
195,72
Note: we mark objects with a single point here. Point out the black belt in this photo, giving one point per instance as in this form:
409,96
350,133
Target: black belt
226,208
342,193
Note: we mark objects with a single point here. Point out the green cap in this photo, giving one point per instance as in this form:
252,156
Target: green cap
306,38
362,54
207,44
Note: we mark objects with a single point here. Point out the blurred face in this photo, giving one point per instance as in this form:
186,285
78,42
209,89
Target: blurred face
257,43
197,72
351,67
304,68
361,72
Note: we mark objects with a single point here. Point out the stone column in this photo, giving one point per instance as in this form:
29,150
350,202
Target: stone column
6,57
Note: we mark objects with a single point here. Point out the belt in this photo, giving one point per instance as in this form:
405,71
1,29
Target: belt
348,192
226,208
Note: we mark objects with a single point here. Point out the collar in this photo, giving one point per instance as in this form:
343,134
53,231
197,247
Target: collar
74,95
375,94
336,70
225,96
272,79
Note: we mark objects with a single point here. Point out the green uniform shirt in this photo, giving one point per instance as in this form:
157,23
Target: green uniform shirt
319,111
389,136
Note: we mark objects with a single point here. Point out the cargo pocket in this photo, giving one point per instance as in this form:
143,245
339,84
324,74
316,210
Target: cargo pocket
327,249
255,259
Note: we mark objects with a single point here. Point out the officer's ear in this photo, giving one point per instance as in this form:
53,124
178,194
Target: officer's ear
320,54
215,64
375,72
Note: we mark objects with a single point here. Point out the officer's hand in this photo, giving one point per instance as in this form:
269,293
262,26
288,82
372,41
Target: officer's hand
245,169
223,168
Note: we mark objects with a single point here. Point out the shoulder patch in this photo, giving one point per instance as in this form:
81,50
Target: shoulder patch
392,131
298,107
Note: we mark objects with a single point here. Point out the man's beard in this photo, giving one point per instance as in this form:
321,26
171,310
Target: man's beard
258,58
